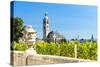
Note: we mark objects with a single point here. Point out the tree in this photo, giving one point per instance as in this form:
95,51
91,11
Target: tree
16,28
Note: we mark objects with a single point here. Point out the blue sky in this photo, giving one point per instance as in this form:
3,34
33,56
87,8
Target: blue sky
67,19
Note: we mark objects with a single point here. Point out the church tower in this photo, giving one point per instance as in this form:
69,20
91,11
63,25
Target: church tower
45,27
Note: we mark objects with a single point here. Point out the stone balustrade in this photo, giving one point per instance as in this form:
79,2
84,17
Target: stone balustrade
17,59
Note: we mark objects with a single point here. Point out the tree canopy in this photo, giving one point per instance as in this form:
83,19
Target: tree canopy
16,28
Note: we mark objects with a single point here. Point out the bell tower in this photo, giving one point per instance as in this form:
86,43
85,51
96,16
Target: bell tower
45,27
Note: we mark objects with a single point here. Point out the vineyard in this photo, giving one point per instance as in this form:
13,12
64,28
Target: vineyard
85,50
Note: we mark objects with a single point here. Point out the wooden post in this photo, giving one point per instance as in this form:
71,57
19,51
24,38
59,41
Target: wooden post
75,50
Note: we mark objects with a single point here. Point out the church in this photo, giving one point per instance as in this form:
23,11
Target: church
50,36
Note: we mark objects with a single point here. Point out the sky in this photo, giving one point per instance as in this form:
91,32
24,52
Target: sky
70,20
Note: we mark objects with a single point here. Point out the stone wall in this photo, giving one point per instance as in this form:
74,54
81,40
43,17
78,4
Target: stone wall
47,59
17,59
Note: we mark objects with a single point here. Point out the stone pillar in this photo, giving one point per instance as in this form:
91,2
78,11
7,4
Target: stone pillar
17,58
30,40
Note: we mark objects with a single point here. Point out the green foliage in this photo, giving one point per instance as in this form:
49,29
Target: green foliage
16,28
18,46
87,50
84,50
67,49
47,48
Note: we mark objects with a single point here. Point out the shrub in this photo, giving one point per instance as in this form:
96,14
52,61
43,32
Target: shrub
47,48
84,51
18,46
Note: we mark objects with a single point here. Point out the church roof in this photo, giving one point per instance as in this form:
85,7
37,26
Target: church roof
57,35
51,32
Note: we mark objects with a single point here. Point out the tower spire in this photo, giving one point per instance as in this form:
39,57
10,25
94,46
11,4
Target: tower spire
92,38
45,26
46,13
